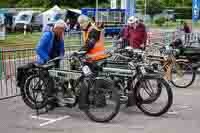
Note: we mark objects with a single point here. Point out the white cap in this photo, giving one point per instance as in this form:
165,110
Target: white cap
60,23
132,19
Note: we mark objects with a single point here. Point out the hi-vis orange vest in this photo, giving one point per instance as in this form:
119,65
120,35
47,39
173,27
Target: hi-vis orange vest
97,52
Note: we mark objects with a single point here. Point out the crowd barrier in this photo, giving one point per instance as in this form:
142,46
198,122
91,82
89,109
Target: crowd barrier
10,59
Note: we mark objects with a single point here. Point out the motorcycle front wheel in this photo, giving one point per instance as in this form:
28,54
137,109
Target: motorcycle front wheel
104,101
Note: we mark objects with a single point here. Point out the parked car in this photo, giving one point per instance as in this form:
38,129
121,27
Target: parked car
170,14
32,21
167,14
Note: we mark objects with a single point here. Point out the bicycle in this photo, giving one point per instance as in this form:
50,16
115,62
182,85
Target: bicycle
173,69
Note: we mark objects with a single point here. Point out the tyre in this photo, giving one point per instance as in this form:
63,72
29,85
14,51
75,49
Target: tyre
36,92
104,101
183,75
153,96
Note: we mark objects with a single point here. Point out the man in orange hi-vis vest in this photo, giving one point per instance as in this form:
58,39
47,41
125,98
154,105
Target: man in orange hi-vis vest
94,46
93,39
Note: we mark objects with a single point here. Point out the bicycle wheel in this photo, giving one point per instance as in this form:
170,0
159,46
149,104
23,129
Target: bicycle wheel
104,101
153,96
183,75
35,92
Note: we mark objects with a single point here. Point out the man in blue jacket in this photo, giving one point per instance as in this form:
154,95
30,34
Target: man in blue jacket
51,44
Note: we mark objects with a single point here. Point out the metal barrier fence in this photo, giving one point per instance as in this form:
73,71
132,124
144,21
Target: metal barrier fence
162,37
10,59
168,37
191,38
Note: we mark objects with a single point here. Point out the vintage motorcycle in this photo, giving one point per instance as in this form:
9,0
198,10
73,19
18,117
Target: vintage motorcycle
65,87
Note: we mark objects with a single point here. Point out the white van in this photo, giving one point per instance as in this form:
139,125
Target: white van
29,19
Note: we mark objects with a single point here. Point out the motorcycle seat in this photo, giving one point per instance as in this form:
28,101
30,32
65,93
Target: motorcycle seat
44,66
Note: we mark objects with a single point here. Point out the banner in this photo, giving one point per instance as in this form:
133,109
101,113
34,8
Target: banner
195,10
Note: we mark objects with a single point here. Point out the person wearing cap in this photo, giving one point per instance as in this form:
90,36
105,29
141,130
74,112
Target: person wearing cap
51,44
93,39
135,33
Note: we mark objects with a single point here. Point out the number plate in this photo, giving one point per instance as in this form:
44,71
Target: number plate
86,70
142,69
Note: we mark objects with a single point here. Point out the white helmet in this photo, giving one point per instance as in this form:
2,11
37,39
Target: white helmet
132,20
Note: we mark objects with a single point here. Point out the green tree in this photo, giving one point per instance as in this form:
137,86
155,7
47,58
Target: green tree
188,2
50,3
154,7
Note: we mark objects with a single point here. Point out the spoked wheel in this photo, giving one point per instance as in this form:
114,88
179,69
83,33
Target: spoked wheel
35,89
104,101
154,96
151,94
183,75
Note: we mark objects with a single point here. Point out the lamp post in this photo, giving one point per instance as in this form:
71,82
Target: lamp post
97,6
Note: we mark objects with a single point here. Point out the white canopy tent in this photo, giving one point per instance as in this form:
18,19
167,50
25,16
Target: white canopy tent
74,10
47,15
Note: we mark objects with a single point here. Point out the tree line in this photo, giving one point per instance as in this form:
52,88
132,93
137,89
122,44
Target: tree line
85,3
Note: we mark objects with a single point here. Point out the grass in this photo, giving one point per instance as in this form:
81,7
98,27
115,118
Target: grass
28,43
21,41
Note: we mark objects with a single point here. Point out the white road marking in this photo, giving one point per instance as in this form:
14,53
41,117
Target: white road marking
52,121
49,120
136,127
184,107
41,118
180,108
188,94
172,112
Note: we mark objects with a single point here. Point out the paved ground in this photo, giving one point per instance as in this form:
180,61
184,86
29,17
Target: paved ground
183,117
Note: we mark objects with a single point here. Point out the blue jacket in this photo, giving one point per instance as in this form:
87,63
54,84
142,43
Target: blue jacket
44,47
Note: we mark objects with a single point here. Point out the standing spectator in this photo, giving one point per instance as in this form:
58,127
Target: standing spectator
135,36
135,33
186,29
